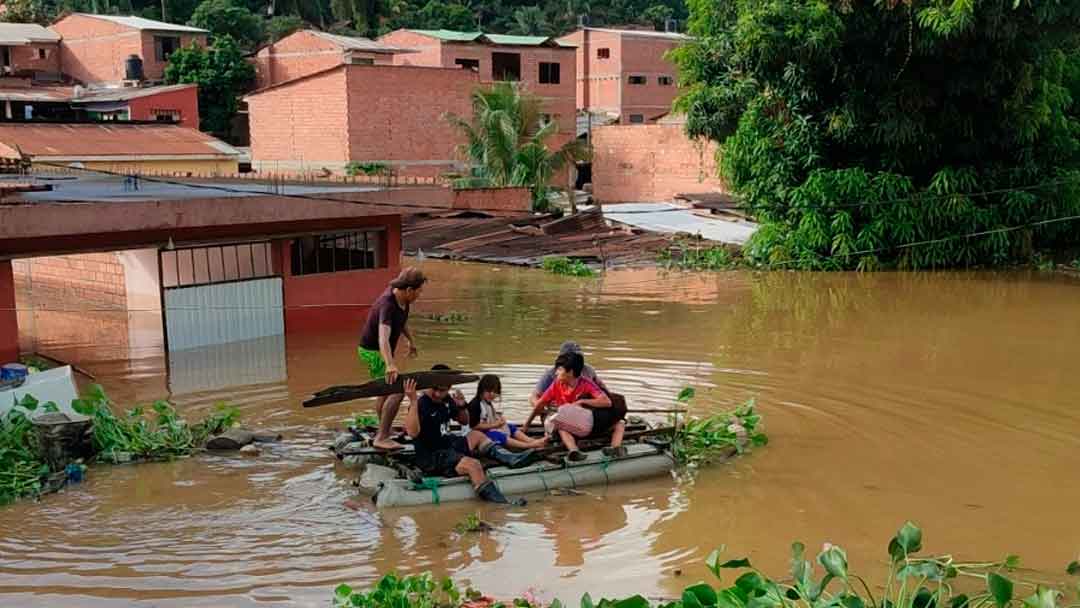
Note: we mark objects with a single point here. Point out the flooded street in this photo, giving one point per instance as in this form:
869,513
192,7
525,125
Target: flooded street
952,400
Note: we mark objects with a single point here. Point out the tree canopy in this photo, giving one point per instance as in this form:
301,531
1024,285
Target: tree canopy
909,133
222,73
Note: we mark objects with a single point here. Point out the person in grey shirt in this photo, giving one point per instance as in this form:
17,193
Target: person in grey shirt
549,376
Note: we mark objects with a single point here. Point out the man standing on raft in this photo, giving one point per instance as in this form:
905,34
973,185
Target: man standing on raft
386,322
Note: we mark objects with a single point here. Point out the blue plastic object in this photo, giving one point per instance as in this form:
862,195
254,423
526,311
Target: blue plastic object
13,371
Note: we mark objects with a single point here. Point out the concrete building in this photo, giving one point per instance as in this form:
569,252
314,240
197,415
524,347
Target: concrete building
309,51
389,115
624,74
119,147
22,100
30,51
94,49
544,66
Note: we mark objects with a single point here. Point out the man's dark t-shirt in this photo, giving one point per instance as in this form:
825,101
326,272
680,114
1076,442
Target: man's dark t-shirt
386,311
434,418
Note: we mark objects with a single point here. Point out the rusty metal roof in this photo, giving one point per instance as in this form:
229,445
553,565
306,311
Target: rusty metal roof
528,240
92,141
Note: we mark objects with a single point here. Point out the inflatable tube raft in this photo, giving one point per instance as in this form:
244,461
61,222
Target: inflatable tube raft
642,460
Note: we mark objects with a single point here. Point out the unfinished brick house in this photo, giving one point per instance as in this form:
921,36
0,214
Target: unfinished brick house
28,50
623,74
94,49
388,115
542,65
309,51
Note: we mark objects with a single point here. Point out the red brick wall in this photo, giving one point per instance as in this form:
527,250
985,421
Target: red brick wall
89,279
645,57
510,200
428,50
328,300
185,100
94,50
300,124
9,320
397,114
298,54
27,58
604,75
634,163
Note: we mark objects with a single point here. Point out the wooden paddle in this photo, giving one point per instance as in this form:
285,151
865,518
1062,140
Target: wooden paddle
379,388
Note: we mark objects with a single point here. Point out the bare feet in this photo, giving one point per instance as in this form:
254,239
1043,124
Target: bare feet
386,444
538,443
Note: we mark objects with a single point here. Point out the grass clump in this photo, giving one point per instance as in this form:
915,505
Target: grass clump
695,254
363,421
472,523
21,467
700,440
134,436
567,267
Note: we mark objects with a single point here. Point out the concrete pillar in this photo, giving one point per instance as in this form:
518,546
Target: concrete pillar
9,320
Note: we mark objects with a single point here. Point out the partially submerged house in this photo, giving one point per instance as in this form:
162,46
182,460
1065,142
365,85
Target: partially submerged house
119,147
625,75
308,51
98,49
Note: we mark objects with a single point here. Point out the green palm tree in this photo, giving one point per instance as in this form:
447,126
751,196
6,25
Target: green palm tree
507,142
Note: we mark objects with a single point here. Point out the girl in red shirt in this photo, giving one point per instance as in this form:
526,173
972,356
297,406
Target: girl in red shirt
575,397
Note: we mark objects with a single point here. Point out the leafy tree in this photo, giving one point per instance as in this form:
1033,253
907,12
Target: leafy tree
871,133
222,73
657,15
437,14
508,145
530,21
283,25
226,18
27,11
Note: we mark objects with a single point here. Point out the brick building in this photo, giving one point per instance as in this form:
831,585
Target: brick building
391,115
95,48
309,51
30,51
21,100
651,163
544,66
624,73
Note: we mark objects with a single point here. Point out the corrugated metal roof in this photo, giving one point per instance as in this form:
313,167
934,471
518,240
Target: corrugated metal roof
642,33
140,23
665,217
26,33
450,35
518,40
359,44
68,94
75,141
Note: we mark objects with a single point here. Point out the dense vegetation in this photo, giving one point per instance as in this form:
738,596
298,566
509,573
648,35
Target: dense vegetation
117,437
370,17
913,582
507,142
907,133
222,73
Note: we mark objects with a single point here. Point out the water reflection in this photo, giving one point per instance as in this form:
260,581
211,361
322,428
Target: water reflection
949,399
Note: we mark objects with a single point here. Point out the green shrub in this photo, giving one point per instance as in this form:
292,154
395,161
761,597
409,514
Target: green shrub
568,267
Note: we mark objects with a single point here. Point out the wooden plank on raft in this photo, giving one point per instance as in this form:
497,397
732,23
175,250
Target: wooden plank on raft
379,388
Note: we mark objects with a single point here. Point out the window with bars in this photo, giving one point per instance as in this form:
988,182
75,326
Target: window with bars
216,264
603,53
165,46
338,252
165,115
665,81
635,79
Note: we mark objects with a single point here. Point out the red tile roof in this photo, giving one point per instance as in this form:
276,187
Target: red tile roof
111,140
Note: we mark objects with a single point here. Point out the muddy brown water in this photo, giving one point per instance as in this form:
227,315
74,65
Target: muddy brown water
948,399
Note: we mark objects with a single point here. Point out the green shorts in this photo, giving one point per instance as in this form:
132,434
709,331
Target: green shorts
374,362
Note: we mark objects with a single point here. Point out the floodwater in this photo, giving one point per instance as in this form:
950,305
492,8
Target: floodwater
949,399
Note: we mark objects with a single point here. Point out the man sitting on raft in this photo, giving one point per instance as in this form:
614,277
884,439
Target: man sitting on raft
583,409
440,454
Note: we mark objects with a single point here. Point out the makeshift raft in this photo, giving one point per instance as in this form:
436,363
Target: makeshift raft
392,482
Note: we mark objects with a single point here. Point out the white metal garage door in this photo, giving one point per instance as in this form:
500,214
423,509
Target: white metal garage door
220,313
